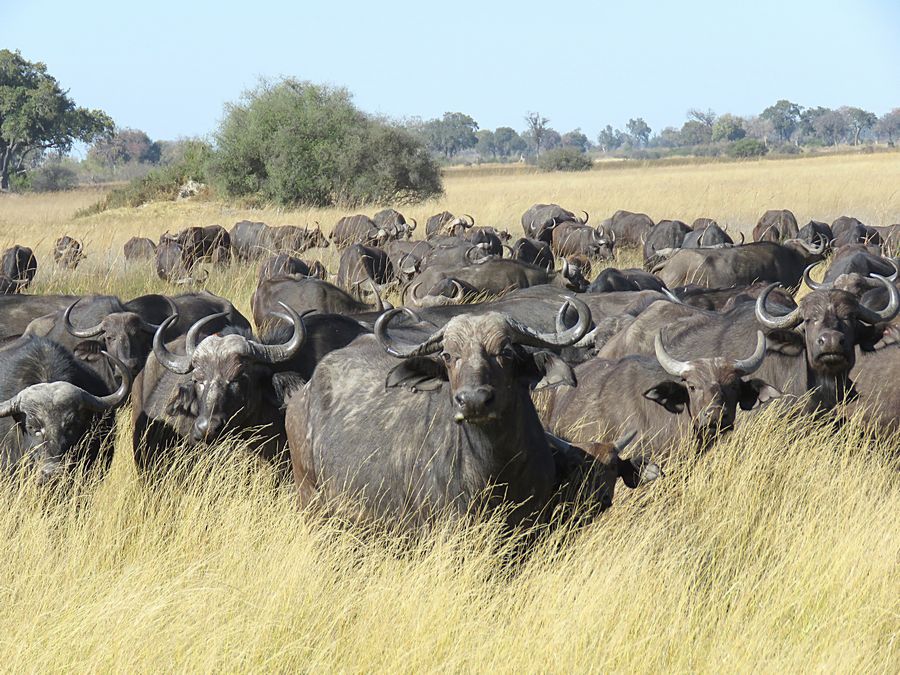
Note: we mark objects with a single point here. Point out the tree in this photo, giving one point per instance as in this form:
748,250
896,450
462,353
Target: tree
669,137
728,128
888,126
451,134
296,143
784,117
123,146
830,126
487,144
610,139
707,118
576,139
537,128
37,115
508,142
859,120
695,133
639,130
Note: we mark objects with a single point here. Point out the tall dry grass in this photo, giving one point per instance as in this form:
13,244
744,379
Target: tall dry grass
778,551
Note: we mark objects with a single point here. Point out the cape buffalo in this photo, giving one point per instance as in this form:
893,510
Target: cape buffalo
455,419
140,248
282,264
533,252
224,383
665,236
631,229
361,265
19,265
571,238
303,293
739,265
446,224
68,252
776,225
540,220
54,412
648,394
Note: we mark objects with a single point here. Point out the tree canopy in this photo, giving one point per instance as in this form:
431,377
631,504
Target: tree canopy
38,116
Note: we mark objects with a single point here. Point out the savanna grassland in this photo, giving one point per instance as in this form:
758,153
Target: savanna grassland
778,551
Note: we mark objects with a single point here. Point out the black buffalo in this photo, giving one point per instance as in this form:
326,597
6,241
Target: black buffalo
139,248
54,412
776,225
19,265
68,252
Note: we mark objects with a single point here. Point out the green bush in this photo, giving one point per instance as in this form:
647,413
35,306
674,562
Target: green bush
53,177
747,147
564,159
296,143
161,184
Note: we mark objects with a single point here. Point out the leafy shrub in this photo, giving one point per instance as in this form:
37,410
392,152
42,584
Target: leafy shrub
747,147
787,149
161,184
564,159
296,143
53,177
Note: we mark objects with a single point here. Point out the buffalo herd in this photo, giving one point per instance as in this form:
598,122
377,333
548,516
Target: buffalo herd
508,375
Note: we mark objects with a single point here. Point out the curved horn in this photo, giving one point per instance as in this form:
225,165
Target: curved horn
512,253
700,239
190,342
872,316
612,235
896,267
412,228
283,352
671,296
625,441
643,238
813,249
460,291
587,217
815,285
755,360
379,303
671,365
471,221
110,401
10,407
565,338
565,267
725,229
93,331
174,362
742,239
429,346
762,315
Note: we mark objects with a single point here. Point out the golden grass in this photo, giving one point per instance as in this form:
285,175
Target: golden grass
779,551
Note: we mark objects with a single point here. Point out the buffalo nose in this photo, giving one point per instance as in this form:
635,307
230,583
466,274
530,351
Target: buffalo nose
475,401
832,340
201,428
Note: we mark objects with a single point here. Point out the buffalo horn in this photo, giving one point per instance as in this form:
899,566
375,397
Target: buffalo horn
587,217
278,353
671,365
565,338
379,303
110,401
791,320
10,407
174,362
471,220
871,316
191,342
429,346
93,331
752,364
815,285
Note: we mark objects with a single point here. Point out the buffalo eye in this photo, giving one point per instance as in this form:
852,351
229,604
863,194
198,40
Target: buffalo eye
507,353
448,357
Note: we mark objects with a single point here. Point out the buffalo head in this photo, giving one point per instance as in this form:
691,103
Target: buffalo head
53,417
830,324
711,388
229,373
481,357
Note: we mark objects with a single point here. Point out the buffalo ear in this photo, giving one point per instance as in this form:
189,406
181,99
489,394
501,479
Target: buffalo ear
418,373
88,350
283,385
756,392
670,395
553,371
867,337
787,342
183,401
639,470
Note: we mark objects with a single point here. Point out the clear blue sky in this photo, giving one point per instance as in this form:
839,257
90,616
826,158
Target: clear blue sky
168,67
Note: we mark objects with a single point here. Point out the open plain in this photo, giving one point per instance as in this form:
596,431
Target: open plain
777,551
